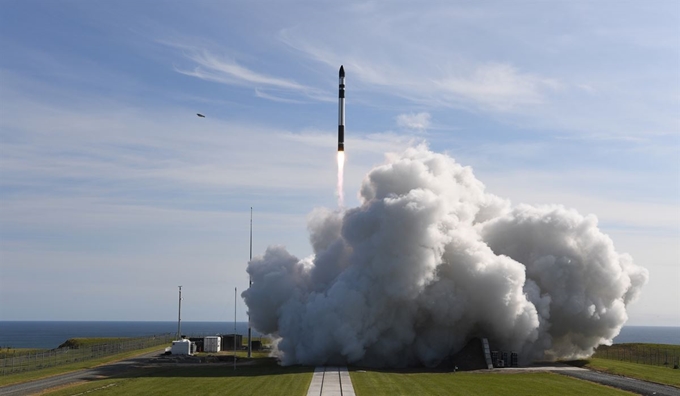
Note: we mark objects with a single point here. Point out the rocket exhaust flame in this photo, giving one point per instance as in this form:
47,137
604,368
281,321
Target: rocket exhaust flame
341,171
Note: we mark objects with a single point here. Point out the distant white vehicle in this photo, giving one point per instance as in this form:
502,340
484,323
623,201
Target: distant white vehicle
182,347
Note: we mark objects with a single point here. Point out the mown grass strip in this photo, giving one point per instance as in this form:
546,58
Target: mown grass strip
262,378
377,383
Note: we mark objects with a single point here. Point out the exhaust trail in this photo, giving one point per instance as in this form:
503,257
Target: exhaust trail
341,176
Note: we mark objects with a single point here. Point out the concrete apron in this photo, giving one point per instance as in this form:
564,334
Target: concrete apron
331,381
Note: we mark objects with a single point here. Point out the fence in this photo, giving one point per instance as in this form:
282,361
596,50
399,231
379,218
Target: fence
56,357
658,355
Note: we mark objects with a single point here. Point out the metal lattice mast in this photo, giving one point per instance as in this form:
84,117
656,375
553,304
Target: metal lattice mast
250,283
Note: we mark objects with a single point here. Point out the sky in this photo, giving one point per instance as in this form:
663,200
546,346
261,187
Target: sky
113,192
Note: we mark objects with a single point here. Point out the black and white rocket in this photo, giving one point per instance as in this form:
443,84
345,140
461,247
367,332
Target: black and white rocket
341,110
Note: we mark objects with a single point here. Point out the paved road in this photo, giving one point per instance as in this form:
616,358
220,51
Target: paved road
37,386
629,384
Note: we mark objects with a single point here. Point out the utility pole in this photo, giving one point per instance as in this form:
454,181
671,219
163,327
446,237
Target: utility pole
179,316
250,283
234,328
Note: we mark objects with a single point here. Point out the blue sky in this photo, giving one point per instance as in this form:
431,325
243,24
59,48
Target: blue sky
113,192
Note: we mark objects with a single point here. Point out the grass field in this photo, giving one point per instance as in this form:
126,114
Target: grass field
263,378
85,342
31,375
81,350
376,383
658,374
652,354
9,352
270,379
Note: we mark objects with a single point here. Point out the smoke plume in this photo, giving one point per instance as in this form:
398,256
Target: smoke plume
430,260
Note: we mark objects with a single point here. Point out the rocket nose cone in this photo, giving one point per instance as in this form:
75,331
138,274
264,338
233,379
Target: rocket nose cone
342,71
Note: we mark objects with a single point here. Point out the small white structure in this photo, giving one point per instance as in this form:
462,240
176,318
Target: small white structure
181,347
212,344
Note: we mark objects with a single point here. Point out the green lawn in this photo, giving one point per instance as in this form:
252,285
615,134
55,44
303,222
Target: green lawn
377,383
267,378
264,378
659,374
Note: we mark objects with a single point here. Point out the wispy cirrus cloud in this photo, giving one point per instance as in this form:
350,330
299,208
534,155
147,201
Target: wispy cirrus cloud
261,93
212,68
494,60
444,82
499,86
222,69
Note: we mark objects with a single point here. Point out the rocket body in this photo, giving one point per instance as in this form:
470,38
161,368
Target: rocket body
341,111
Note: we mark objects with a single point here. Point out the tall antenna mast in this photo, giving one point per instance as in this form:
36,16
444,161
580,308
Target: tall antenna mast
250,283
179,316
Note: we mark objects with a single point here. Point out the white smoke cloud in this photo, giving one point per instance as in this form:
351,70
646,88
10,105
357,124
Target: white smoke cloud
430,260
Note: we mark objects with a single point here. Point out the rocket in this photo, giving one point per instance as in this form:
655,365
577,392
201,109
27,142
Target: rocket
341,110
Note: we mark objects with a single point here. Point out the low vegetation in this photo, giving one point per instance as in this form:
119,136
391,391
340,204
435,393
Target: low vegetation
659,374
76,343
653,354
649,362
10,352
48,372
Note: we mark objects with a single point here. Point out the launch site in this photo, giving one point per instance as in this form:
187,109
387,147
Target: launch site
487,202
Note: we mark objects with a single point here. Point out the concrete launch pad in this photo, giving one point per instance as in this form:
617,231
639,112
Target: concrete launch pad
331,381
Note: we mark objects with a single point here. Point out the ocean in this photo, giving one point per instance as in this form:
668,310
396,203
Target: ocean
48,335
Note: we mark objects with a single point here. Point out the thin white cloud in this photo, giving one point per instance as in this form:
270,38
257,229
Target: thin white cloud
415,121
537,187
493,60
230,72
261,94
497,85
206,65
493,86
587,88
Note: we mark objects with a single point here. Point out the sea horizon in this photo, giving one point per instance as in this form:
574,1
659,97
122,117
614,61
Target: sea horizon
49,334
